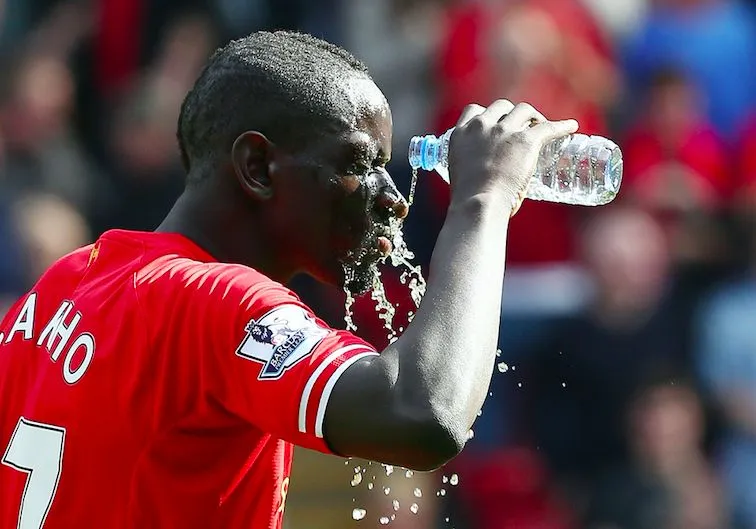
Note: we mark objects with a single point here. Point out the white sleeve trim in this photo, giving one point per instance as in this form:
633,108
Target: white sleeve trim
329,387
306,393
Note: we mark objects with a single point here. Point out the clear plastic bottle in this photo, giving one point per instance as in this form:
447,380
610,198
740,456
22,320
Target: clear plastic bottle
578,169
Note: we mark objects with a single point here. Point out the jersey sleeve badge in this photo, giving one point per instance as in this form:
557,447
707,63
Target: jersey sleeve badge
280,339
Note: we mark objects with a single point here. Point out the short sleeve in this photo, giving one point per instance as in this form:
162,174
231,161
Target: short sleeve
262,354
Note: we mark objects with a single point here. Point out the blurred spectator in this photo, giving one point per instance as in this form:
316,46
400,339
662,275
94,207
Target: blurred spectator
49,228
727,366
668,483
673,158
147,171
713,42
581,381
41,153
677,166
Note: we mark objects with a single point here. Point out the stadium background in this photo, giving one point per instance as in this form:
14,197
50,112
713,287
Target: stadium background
628,399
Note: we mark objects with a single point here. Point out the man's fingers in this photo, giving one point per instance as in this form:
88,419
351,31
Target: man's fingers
522,116
496,111
470,112
553,130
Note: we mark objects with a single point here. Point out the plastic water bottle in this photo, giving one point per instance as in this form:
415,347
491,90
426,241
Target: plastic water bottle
578,169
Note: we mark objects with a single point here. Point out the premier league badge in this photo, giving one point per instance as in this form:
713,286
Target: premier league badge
280,339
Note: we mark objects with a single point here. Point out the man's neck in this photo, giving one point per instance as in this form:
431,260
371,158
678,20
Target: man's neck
221,229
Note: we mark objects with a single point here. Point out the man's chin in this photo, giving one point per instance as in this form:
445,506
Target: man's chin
359,279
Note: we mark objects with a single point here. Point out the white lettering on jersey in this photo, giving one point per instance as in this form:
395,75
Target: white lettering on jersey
57,328
25,320
280,339
57,332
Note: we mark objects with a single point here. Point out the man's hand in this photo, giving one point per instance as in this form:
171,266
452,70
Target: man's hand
494,150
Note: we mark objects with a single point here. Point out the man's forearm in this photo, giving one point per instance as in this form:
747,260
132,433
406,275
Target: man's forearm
445,358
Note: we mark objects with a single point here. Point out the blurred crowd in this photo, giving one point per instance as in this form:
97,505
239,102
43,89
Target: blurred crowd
625,394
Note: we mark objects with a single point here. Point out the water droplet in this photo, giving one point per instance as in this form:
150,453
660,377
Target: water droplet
414,508
498,352
418,493
409,474
519,384
357,469
389,469
393,517
480,412
444,479
358,514
454,479
395,504
564,384
514,368
384,520
470,434
356,480
502,367
370,486
446,519
443,492
387,490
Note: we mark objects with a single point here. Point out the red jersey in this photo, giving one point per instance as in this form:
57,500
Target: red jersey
143,384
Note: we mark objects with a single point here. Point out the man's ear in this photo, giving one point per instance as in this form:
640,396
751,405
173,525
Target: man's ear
251,155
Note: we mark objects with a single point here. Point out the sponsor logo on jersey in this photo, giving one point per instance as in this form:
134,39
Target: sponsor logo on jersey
280,339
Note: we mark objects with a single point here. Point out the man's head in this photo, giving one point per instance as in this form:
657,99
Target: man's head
297,135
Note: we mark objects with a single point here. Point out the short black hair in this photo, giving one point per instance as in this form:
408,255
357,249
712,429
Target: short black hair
283,84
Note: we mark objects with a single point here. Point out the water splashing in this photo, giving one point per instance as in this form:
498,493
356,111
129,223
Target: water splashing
383,306
413,186
348,314
412,276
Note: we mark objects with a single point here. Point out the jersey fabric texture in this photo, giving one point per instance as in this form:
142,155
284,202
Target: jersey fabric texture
144,384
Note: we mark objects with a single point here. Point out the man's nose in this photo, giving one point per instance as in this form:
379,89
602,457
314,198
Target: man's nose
389,197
